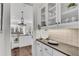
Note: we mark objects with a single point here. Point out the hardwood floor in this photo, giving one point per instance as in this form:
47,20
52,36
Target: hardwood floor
23,51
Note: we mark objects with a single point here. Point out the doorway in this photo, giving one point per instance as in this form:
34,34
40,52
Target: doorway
21,29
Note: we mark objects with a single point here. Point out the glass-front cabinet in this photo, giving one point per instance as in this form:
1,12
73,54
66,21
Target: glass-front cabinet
56,15
49,14
43,15
52,14
69,12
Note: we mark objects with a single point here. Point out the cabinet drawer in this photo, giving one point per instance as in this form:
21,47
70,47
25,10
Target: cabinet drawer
47,49
57,53
38,43
39,51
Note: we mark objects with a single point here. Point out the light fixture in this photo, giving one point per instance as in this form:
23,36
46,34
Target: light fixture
22,20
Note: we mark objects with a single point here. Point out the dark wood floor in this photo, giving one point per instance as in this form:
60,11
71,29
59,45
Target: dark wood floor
23,51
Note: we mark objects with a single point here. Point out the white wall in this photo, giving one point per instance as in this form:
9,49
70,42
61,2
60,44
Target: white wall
7,28
34,29
2,45
5,35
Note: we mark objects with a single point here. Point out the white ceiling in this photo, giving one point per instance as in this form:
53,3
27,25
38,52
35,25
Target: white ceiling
16,9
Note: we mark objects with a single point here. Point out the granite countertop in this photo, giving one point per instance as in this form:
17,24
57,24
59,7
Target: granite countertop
66,49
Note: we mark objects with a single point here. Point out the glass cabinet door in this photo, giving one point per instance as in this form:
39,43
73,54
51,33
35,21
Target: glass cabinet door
52,14
69,12
43,16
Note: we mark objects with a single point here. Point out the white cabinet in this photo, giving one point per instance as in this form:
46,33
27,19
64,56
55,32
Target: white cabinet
52,14
49,15
62,16
39,50
43,16
44,50
54,17
47,50
25,41
59,15
69,15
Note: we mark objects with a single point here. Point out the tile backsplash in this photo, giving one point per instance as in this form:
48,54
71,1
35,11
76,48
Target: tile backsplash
68,36
42,34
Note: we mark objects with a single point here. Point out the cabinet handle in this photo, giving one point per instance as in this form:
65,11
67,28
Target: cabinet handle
58,22
55,23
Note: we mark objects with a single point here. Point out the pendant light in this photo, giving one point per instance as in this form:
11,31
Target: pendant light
22,20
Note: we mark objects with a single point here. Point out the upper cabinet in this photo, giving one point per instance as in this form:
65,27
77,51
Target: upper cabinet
48,15
53,14
69,12
69,15
59,15
43,12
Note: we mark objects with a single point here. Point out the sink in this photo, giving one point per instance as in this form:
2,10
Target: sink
52,42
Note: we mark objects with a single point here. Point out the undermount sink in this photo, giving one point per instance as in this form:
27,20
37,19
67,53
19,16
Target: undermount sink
52,42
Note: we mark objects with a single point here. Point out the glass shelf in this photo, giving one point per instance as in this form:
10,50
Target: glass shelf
52,21
52,8
70,11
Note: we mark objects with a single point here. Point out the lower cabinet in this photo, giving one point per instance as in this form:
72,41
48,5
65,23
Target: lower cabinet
47,51
39,51
44,50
